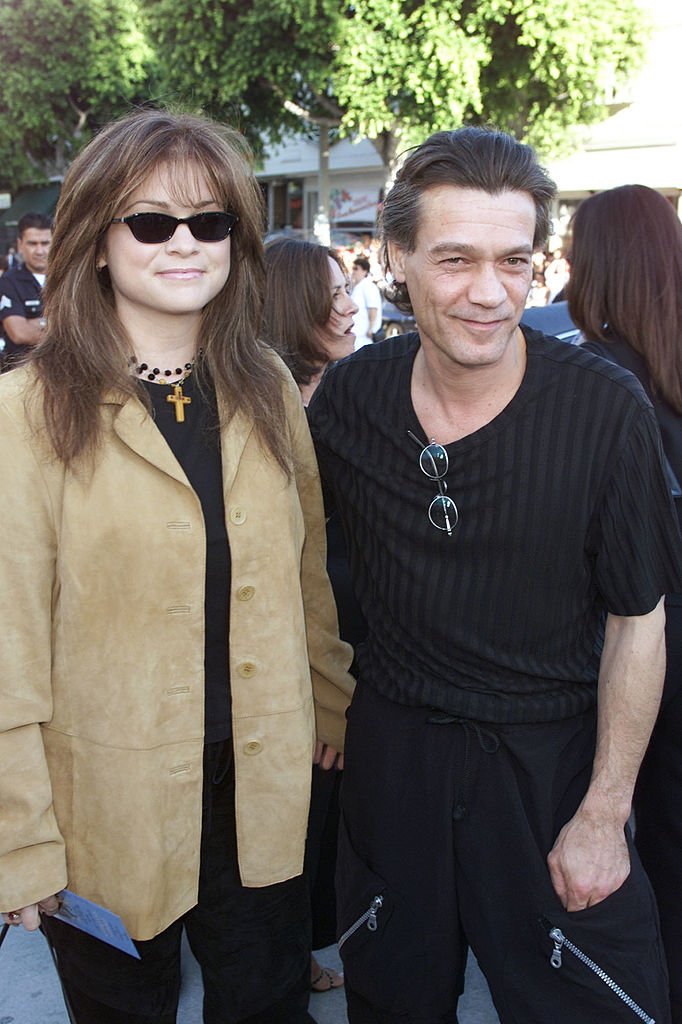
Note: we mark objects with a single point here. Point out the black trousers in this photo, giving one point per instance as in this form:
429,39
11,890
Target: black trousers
658,810
320,855
253,945
446,826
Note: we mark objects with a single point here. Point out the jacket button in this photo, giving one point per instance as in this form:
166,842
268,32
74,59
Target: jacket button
246,669
237,515
253,747
245,593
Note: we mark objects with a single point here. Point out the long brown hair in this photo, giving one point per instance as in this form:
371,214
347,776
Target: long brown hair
86,350
297,305
626,279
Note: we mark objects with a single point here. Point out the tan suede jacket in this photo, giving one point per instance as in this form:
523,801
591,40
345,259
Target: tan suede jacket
102,661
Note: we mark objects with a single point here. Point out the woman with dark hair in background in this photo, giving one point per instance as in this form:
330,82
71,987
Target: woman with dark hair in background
625,295
308,312
308,318
164,596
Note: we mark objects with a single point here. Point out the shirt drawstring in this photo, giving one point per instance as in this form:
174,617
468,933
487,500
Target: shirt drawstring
488,741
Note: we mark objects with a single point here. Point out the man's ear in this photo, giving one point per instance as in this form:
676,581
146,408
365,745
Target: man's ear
396,261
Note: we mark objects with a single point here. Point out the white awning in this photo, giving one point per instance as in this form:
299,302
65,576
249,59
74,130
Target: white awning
592,170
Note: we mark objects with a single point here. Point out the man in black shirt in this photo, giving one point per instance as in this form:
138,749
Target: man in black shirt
21,305
510,536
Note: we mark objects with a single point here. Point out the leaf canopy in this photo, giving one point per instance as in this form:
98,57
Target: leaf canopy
396,70
67,66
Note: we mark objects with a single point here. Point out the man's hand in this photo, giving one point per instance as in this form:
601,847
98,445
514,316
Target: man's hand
30,916
327,758
589,860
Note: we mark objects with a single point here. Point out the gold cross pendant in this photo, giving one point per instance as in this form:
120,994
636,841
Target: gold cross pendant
179,401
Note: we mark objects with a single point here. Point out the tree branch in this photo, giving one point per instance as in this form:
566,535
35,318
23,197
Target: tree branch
82,116
306,115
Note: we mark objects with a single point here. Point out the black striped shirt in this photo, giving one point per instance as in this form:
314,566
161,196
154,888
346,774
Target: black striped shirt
564,514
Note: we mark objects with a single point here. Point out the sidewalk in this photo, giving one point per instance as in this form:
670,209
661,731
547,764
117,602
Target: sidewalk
30,993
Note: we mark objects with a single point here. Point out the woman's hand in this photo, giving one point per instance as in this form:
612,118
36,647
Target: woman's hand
30,916
326,757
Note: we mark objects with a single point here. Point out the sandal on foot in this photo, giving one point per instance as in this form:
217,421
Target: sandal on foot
326,980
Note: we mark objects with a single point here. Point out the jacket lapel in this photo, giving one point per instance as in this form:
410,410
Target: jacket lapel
135,427
233,439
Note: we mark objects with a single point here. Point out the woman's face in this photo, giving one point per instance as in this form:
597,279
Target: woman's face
337,334
176,278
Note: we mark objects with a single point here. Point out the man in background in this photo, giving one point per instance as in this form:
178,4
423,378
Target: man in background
21,304
367,298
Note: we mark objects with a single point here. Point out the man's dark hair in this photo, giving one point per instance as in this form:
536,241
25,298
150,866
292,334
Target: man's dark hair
476,158
362,262
33,220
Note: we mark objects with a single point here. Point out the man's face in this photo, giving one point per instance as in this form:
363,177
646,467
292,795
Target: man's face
357,274
33,247
470,271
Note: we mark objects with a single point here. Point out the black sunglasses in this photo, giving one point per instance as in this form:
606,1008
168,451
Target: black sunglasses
434,463
153,228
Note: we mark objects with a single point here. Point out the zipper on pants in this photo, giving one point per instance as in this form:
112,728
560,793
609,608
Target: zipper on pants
369,917
560,941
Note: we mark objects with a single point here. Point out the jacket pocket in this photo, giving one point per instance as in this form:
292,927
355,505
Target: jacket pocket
380,938
563,945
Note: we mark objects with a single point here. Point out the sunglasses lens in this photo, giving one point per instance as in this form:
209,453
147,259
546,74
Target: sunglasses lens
212,227
152,227
443,513
434,461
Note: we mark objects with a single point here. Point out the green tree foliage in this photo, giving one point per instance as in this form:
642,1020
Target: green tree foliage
395,70
554,66
65,66
262,64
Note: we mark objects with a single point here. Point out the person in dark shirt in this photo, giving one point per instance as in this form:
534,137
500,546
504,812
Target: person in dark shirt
625,294
511,536
21,290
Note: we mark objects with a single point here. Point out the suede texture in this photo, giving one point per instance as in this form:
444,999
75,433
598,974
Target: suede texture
101,665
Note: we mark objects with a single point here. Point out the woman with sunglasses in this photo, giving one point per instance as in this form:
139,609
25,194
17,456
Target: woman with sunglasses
308,317
164,600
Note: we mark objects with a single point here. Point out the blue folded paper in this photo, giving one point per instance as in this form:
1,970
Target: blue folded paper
95,920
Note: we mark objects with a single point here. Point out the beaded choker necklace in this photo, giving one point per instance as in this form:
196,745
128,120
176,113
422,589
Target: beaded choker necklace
157,376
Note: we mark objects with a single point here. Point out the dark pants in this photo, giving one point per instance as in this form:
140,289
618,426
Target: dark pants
320,856
658,810
448,824
252,944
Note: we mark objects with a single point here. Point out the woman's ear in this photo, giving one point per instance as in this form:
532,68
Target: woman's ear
101,257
